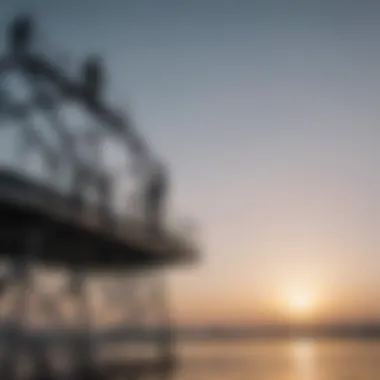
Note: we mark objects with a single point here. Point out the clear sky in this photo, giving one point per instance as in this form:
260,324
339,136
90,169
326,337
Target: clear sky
268,115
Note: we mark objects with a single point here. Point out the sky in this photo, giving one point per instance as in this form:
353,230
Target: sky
267,115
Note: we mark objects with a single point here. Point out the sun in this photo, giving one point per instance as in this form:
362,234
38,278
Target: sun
300,303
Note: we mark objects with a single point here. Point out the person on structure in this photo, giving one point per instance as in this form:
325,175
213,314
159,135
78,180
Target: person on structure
80,181
20,34
93,79
156,191
104,188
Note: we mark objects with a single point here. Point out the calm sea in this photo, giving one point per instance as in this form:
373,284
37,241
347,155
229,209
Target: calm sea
301,359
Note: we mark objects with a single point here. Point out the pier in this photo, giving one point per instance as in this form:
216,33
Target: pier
73,254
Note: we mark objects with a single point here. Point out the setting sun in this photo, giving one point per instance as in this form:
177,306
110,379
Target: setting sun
300,303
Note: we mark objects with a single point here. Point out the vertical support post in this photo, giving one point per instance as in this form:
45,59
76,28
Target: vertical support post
33,245
166,333
83,348
163,301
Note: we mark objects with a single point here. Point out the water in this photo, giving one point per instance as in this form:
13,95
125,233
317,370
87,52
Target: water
300,359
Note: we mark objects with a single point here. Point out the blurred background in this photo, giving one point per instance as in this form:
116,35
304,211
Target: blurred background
267,114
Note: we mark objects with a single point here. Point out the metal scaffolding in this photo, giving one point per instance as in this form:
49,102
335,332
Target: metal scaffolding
59,218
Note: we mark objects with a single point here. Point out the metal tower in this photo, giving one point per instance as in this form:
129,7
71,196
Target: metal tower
81,280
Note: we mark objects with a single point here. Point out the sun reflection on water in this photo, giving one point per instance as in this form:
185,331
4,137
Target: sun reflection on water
303,352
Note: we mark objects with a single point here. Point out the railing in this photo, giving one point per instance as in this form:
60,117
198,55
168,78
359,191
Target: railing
133,227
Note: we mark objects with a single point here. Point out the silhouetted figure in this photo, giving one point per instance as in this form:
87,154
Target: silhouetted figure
20,34
93,79
156,192
104,189
80,181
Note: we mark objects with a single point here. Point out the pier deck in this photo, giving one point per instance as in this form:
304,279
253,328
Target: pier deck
118,244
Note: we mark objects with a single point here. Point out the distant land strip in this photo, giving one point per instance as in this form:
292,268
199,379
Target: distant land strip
197,334
363,331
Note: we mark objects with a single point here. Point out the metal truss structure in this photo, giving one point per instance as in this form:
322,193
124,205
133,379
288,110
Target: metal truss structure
60,317
68,149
